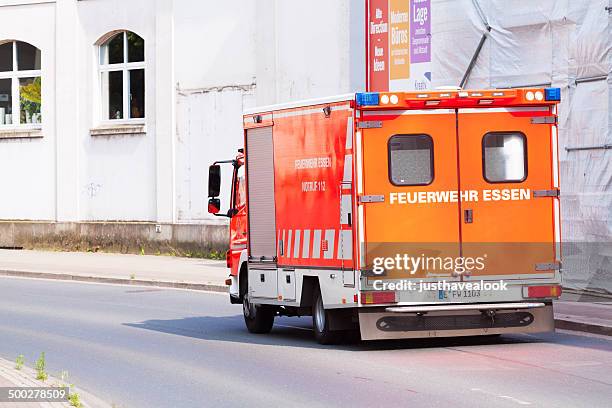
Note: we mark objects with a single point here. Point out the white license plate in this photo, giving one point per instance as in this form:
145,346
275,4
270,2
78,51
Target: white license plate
459,294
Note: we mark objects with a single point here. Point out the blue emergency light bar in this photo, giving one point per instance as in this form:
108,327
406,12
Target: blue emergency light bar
552,94
368,99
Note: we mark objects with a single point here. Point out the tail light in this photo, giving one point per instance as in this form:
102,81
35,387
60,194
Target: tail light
377,297
228,259
550,291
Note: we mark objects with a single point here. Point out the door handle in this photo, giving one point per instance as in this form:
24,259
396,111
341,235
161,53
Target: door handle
468,216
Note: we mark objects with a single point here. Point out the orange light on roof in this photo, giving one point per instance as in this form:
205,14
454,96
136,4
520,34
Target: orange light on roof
459,99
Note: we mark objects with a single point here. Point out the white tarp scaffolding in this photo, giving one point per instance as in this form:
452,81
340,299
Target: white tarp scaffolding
560,43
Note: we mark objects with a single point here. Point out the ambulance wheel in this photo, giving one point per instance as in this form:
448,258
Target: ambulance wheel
320,321
258,318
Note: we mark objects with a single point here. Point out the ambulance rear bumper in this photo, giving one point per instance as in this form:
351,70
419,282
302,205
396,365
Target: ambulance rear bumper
454,320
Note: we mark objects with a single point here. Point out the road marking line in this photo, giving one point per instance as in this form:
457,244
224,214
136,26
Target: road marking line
518,401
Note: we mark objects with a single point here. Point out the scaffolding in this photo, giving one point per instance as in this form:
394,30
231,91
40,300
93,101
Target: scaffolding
560,43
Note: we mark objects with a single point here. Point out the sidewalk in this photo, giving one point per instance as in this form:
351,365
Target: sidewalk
148,270
573,312
594,316
26,377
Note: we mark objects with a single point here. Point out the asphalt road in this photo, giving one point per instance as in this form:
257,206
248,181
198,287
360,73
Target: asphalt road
143,347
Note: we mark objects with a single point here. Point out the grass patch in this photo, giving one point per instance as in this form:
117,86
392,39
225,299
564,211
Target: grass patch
75,400
19,362
41,365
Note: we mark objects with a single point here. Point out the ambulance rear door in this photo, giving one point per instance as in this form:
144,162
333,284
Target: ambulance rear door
508,158
409,180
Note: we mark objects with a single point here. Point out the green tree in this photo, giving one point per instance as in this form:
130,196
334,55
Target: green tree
31,92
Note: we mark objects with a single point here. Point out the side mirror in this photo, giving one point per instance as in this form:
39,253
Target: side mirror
214,181
214,205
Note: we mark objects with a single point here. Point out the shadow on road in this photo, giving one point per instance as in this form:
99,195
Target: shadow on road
296,332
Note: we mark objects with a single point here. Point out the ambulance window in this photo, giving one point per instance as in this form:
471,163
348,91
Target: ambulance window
411,160
504,157
240,191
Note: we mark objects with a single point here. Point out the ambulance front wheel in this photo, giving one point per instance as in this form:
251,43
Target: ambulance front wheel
320,321
258,318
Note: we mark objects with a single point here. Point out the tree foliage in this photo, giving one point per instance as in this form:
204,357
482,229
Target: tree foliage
31,92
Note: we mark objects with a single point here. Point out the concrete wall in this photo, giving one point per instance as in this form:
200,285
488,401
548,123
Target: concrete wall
124,237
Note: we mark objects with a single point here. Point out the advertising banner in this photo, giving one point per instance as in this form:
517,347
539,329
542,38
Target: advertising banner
378,39
399,45
399,14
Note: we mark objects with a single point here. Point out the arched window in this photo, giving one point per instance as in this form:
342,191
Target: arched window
20,84
122,77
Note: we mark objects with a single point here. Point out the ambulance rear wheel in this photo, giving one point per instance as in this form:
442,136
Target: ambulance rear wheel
320,321
258,318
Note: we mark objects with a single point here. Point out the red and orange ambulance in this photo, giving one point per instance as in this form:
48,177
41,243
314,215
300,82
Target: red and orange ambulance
401,215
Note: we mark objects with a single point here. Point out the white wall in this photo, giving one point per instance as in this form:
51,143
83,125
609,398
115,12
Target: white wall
214,43
206,62
215,75
309,49
27,166
117,174
209,128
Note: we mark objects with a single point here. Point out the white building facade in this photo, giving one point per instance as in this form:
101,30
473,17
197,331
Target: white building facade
136,98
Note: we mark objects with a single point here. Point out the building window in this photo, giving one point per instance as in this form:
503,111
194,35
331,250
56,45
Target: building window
411,160
504,157
20,84
122,77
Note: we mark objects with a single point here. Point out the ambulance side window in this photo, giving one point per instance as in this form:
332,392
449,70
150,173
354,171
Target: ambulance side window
240,188
504,157
411,160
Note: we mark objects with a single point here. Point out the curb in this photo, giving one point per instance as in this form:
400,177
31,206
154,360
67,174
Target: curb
26,378
586,292
583,327
208,287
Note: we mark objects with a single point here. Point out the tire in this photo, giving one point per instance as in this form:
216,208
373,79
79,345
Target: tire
259,319
320,321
